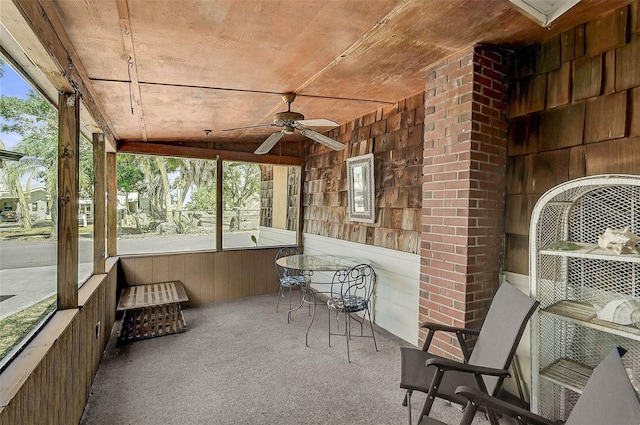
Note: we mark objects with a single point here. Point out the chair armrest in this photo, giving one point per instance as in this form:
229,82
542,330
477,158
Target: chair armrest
501,407
445,328
447,364
461,334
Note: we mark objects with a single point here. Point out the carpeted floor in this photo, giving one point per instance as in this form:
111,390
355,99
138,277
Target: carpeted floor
239,362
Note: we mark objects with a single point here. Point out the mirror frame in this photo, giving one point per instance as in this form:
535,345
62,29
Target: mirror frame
361,166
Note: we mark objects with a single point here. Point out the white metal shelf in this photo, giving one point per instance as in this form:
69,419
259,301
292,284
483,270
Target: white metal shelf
568,374
592,251
567,338
586,315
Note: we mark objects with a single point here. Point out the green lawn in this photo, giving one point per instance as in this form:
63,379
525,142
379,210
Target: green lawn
15,327
38,232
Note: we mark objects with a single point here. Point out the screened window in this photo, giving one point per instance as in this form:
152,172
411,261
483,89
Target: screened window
260,204
28,188
168,204
165,204
85,211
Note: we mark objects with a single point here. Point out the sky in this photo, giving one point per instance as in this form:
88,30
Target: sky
12,84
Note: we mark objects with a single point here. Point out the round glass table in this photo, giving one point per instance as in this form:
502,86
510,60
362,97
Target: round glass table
324,263
308,264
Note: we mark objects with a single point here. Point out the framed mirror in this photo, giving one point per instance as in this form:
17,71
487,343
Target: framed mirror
361,190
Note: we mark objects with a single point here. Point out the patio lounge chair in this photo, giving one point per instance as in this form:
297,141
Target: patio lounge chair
608,398
485,368
289,278
356,286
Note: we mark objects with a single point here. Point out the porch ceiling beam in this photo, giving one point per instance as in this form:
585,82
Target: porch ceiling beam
205,153
24,74
127,39
70,74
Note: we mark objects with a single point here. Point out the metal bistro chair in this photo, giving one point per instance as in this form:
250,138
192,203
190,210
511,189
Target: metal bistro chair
484,368
289,278
356,287
608,398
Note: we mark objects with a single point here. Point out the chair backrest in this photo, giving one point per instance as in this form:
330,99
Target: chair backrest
501,331
285,252
608,397
357,282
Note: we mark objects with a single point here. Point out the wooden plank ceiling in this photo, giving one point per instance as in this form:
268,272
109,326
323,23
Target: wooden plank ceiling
164,71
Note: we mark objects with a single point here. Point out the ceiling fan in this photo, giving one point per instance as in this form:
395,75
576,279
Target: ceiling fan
291,121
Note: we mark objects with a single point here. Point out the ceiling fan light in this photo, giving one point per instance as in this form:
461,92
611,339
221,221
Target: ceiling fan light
288,129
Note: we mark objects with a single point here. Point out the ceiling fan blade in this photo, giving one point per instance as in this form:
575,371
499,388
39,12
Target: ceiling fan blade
250,126
321,138
319,122
266,146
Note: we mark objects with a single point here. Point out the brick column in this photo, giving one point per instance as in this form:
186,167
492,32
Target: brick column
463,190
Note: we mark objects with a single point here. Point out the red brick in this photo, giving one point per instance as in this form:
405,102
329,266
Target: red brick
496,76
458,73
444,176
453,314
461,165
444,230
440,300
445,159
427,201
436,289
448,69
441,318
435,151
458,183
446,141
460,147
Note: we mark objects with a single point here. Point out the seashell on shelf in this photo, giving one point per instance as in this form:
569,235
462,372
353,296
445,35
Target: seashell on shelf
619,241
622,312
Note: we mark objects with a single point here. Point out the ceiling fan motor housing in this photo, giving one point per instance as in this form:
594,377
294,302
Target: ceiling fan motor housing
287,118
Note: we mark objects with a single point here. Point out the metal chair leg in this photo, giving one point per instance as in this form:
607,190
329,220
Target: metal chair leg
431,395
280,294
337,324
372,334
313,297
407,402
329,315
289,313
347,331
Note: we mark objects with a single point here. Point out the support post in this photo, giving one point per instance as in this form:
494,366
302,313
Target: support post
99,193
68,184
219,205
112,205
300,223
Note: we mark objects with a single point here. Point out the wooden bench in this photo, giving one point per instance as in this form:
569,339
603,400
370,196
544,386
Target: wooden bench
151,310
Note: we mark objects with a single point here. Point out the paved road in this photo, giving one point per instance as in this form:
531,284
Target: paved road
28,269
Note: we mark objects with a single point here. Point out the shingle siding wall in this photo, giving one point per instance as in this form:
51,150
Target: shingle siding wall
394,136
574,111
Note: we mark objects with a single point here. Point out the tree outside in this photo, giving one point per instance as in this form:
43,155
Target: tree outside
178,195
156,193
